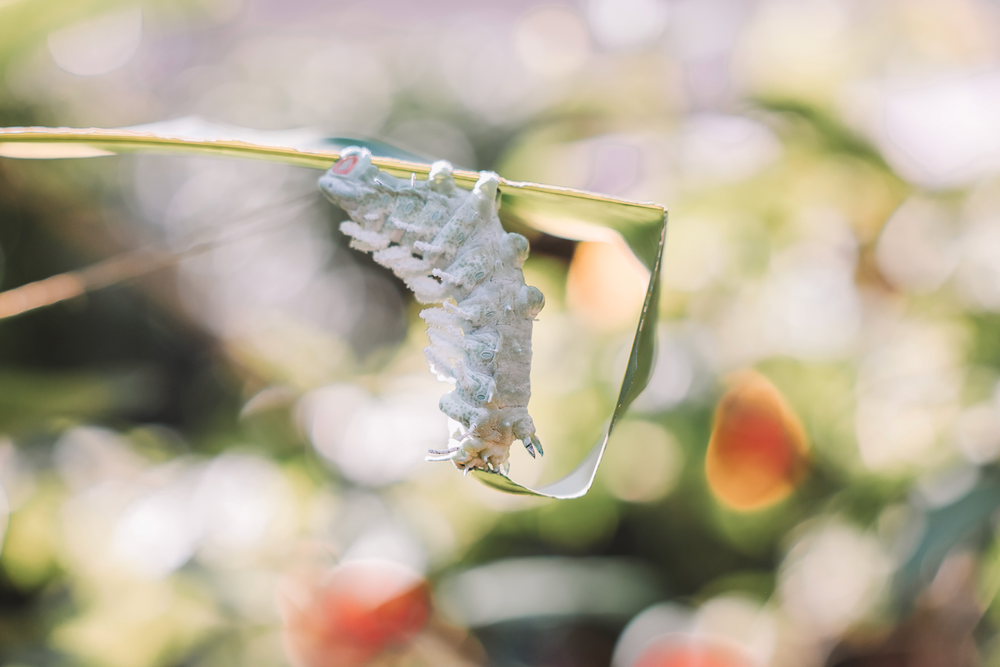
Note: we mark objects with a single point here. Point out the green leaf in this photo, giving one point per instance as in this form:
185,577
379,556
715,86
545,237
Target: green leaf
637,373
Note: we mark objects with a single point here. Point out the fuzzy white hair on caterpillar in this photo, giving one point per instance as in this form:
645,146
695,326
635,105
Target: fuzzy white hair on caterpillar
448,246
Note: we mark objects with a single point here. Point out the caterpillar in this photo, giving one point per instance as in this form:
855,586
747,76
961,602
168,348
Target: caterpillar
447,245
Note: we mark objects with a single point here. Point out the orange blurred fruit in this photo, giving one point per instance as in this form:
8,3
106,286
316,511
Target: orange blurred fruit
758,451
689,652
350,614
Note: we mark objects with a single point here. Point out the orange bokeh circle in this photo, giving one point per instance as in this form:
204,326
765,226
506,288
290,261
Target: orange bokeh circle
758,451
352,613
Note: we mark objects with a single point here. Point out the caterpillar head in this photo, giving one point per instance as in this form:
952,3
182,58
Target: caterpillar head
352,176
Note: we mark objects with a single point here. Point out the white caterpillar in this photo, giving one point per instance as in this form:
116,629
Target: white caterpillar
448,246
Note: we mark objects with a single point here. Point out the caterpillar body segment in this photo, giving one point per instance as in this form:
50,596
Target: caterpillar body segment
448,246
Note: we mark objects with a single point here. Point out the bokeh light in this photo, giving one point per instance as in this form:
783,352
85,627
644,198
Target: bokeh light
758,450
349,615
832,578
99,45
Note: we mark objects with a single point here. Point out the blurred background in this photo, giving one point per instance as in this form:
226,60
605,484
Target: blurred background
221,463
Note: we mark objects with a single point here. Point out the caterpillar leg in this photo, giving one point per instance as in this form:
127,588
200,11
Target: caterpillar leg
427,290
447,277
440,318
443,455
428,248
449,342
402,261
442,368
465,436
370,240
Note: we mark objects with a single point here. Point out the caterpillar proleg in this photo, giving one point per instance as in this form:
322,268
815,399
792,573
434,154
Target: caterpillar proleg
449,248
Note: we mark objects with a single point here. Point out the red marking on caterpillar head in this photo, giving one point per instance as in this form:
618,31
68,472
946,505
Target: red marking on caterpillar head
345,165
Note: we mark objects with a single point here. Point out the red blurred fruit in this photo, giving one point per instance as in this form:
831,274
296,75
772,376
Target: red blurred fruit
350,614
674,652
758,452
